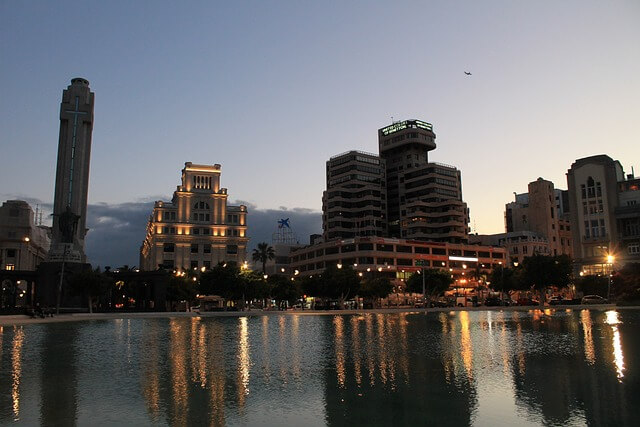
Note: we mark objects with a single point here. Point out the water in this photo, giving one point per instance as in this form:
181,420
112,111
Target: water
483,368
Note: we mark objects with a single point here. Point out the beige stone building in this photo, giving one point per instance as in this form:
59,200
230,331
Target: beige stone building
606,214
543,210
197,228
23,244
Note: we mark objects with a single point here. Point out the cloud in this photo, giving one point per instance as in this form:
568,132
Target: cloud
116,231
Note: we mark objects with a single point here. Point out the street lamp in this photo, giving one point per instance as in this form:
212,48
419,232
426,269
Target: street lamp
610,261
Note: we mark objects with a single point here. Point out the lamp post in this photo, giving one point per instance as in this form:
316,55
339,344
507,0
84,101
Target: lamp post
64,256
610,261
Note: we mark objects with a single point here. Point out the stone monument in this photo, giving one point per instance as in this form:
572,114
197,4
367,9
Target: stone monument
72,174
66,255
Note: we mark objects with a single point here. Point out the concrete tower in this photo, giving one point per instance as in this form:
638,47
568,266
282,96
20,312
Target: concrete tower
72,175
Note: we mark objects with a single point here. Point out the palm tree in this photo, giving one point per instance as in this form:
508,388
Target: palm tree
262,254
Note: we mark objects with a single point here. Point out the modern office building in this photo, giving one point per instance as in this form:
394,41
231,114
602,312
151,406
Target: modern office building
398,194
605,220
543,210
197,228
354,203
23,243
424,199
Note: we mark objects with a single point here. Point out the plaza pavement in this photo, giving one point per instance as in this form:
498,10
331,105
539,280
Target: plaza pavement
24,319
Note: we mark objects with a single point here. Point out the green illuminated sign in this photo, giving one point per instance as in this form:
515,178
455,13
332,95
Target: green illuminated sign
407,124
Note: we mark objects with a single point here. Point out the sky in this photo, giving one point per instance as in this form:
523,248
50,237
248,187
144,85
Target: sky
272,89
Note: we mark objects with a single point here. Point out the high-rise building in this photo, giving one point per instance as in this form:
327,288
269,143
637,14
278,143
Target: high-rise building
543,210
398,194
197,228
354,201
605,219
424,199
72,174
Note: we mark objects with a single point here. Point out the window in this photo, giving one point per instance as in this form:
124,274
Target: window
168,247
11,253
524,249
194,249
167,263
194,265
232,249
196,231
206,249
634,249
206,264
421,250
10,267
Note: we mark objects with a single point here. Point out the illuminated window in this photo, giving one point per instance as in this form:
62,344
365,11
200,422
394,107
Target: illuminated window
10,267
11,253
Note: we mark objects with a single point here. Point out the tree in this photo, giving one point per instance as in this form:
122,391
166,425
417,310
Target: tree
436,282
90,284
375,288
505,279
284,290
224,280
262,254
181,288
541,271
339,283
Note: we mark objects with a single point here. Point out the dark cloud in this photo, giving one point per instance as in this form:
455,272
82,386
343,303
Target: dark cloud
117,231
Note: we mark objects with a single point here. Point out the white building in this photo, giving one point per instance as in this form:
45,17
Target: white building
196,229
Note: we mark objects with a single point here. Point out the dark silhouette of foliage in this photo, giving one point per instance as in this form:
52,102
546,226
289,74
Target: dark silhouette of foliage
90,284
436,282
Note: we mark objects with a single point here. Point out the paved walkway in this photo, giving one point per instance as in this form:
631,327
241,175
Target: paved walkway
24,319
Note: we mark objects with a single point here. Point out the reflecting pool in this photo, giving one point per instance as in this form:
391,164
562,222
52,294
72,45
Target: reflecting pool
487,368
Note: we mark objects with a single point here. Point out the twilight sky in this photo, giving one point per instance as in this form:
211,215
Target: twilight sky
271,90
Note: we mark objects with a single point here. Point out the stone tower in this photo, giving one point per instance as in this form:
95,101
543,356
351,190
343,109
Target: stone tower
72,174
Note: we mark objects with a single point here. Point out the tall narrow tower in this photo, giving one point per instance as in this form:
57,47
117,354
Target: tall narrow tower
72,174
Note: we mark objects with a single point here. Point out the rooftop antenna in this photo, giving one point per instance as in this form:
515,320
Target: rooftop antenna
392,122
36,217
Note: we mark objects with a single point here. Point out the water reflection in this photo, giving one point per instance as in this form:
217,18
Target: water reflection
458,368
618,358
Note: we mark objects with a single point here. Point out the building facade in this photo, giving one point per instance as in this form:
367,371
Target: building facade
23,244
544,210
517,244
605,214
397,258
354,203
424,200
197,228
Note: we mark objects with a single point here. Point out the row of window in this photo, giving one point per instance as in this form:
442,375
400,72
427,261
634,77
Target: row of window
201,231
196,248
397,262
398,249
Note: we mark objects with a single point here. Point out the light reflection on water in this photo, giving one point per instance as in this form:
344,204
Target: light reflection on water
458,368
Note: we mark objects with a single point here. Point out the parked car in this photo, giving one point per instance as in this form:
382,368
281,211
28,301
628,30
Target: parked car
492,302
556,300
527,301
593,299
441,302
